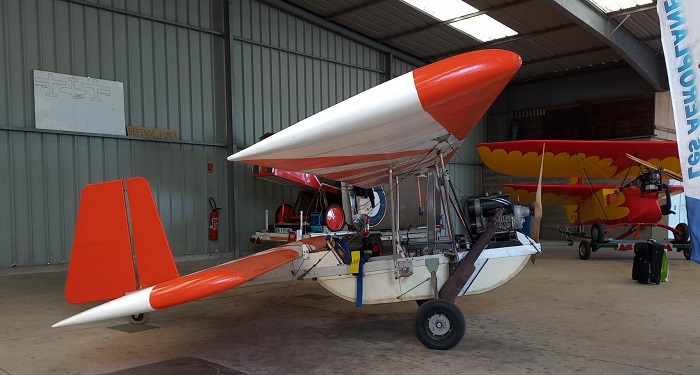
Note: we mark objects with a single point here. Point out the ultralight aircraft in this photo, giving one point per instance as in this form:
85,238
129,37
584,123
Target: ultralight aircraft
411,125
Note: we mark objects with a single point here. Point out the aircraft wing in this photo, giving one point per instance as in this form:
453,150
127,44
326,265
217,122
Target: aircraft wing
405,123
564,194
554,194
568,158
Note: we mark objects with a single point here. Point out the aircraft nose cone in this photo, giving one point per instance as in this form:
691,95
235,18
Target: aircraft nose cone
457,91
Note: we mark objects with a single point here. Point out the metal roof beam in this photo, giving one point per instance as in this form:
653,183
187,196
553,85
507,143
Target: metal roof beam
636,53
353,9
501,41
447,22
342,30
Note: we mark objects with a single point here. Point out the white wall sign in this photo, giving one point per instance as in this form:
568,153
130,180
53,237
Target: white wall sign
78,104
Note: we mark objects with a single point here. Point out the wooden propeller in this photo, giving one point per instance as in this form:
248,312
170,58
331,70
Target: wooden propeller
662,170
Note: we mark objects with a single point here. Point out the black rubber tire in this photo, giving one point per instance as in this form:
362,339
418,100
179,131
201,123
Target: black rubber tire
138,319
439,324
584,250
684,234
687,252
570,242
597,232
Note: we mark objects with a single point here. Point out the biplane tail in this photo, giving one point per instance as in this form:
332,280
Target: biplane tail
119,244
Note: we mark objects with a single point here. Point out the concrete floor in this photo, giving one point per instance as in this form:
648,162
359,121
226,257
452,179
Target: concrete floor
559,316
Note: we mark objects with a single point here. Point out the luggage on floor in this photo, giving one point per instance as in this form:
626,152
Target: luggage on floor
647,262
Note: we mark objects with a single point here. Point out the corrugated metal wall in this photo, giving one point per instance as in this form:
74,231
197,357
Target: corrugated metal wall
170,57
285,69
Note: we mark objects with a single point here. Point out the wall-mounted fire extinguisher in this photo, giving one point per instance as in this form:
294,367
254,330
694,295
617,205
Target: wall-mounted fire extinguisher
213,220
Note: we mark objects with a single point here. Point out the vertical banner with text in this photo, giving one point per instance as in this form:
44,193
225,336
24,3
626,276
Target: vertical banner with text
680,35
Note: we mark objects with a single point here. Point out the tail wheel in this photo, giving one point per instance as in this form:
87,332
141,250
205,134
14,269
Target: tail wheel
584,250
284,213
439,324
597,232
138,319
334,217
683,234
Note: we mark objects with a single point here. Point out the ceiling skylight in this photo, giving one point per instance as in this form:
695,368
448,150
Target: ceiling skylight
483,27
608,6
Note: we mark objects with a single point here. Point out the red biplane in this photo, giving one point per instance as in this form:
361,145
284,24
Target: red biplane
632,203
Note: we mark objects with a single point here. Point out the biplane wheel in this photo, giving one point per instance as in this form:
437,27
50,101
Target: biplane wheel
687,253
284,213
683,234
570,242
373,242
439,324
597,232
584,250
138,319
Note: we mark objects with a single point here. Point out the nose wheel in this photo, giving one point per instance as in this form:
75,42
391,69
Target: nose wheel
439,324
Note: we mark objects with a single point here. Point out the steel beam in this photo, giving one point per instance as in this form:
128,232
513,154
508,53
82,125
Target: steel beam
635,52
342,30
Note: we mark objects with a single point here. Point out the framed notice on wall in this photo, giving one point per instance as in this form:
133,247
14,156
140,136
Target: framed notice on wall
78,104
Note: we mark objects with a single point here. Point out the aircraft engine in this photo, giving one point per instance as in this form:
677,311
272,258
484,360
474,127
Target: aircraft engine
480,208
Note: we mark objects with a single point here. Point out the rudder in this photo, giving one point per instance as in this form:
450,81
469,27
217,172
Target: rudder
102,262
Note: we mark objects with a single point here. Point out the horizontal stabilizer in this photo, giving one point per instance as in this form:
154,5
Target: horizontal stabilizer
190,287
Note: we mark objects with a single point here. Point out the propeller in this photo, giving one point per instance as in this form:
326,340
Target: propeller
537,207
662,170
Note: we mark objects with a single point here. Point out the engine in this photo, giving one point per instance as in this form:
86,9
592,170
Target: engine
650,181
481,208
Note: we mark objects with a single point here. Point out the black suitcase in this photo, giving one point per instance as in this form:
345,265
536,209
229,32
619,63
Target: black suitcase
646,265
640,263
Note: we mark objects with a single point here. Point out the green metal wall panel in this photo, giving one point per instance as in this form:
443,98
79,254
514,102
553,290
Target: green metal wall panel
170,57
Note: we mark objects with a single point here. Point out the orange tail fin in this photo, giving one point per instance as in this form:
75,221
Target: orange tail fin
119,244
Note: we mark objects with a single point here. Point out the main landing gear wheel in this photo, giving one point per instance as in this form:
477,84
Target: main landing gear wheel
284,213
439,324
687,253
683,234
597,233
584,250
138,319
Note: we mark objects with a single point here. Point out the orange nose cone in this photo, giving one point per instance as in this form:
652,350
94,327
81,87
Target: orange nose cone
457,91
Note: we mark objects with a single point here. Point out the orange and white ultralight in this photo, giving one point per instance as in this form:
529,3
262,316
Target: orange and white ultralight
411,125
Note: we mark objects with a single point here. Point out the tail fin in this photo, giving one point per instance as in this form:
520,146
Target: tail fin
119,244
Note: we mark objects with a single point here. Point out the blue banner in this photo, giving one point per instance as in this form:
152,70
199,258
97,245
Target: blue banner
680,35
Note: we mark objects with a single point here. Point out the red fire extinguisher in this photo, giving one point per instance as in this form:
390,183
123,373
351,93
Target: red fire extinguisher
213,220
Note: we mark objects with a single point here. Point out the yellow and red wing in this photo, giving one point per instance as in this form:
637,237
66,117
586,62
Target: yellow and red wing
568,158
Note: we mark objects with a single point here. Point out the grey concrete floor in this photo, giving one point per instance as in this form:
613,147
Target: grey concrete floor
559,316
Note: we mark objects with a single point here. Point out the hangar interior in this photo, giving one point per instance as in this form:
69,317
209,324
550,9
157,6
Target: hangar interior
221,74
210,77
